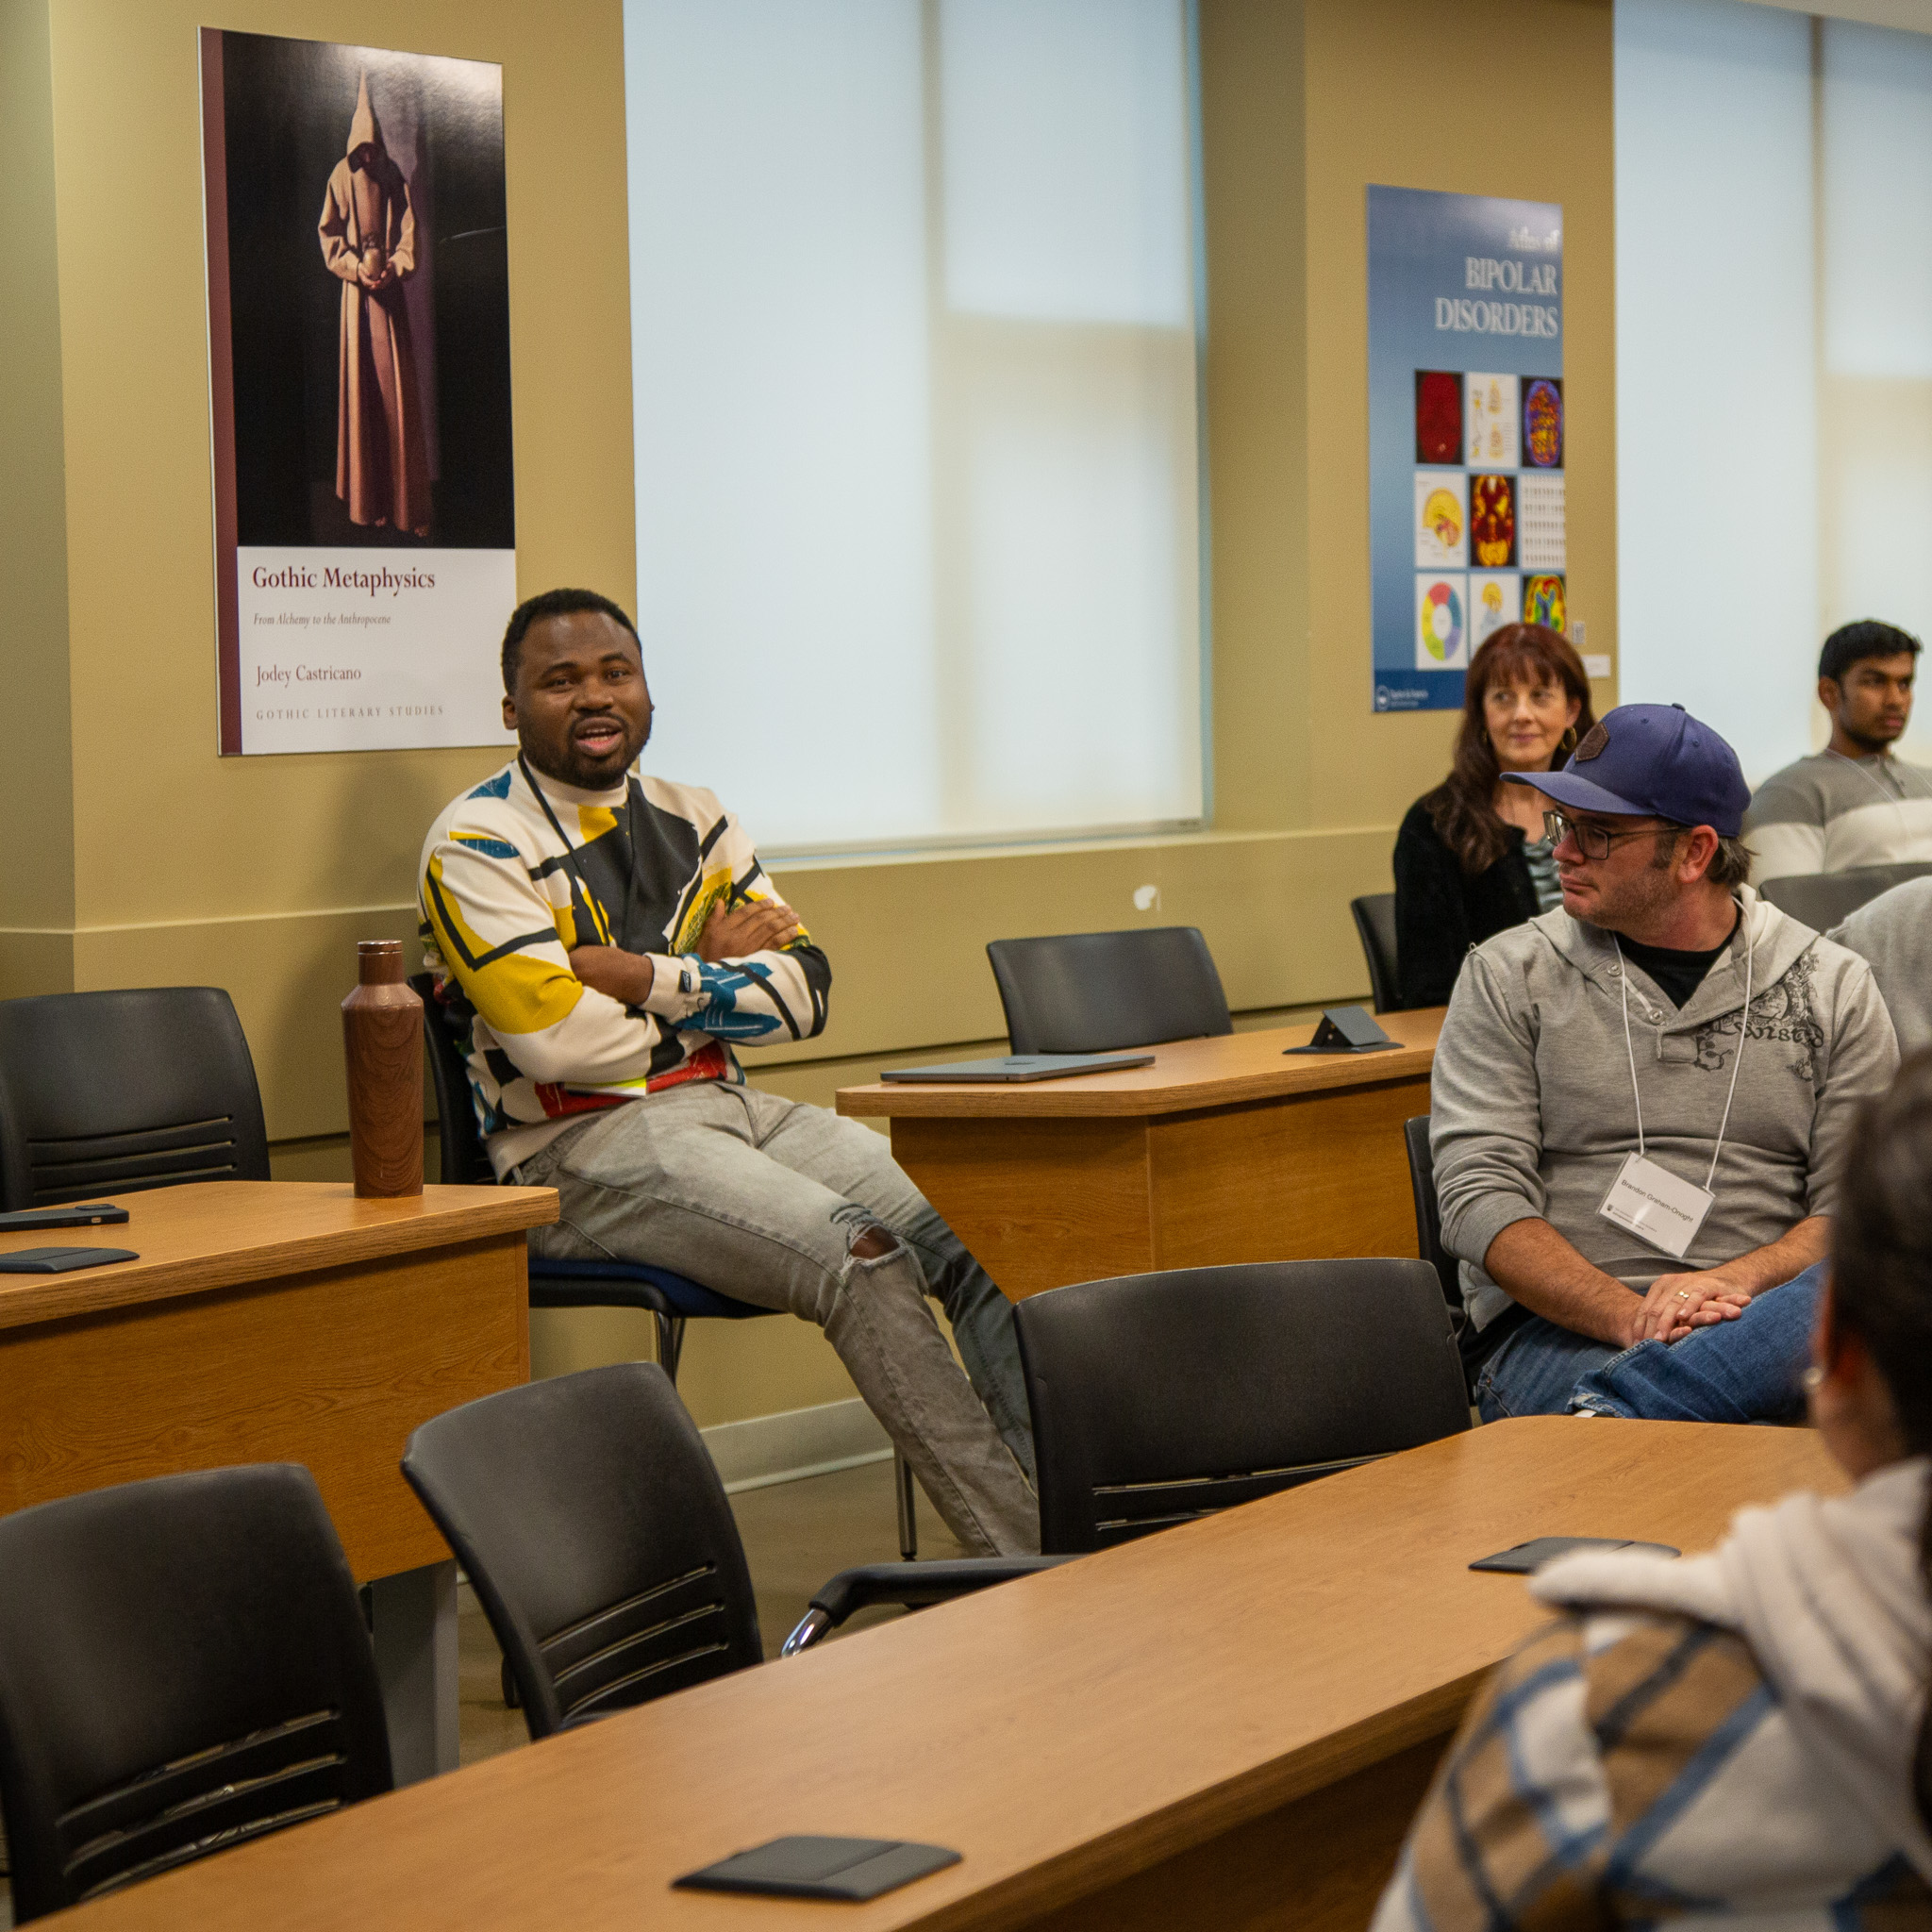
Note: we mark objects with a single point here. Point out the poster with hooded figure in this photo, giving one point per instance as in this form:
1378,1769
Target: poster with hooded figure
368,234
358,339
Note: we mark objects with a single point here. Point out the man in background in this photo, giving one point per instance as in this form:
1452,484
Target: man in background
1854,803
1640,1103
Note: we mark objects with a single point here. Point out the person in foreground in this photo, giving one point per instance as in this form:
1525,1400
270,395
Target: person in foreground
601,944
1738,1738
1473,858
1852,803
1640,1103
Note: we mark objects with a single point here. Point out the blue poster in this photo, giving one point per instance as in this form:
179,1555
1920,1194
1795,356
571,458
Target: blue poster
1466,430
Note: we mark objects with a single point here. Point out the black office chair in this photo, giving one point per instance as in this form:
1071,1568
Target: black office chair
589,1519
1374,925
110,1093
1095,991
670,1299
1160,1398
1825,899
183,1667
1428,1215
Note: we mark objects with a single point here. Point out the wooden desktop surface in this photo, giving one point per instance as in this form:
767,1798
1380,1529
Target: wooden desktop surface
218,1234
1223,1151
1227,1723
1186,1074
267,1321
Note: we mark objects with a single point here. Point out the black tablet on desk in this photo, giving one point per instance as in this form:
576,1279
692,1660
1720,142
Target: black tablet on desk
1020,1066
77,1214
60,1260
844,1868
1526,1559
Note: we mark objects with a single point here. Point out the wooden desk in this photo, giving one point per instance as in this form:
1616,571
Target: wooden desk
1228,1724
1223,1150
276,1322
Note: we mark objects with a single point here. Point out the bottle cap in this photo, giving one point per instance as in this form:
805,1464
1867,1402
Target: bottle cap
379,962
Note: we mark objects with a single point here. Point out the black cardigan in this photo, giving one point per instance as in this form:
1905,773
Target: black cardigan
1440,911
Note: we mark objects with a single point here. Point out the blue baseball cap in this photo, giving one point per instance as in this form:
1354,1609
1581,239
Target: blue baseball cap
1653,761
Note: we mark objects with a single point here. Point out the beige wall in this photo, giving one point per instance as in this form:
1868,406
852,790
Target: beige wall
1305,104
152,860
36,772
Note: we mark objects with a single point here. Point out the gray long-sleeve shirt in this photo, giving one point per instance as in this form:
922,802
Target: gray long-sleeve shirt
1531,1110
1892,934
1829,813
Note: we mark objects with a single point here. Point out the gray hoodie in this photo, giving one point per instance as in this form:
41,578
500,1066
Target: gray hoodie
1892,933
1531,1110
1829,1597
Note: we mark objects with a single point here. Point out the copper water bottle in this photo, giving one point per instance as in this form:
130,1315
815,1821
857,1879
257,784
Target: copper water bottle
382,1038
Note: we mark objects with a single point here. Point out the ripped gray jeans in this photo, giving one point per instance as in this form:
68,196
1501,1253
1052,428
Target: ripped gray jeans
765,1199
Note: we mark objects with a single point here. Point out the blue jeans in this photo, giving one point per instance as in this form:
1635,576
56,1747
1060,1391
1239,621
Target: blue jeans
1746,1370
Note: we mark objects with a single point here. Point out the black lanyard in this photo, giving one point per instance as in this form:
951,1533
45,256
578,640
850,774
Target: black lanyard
570,857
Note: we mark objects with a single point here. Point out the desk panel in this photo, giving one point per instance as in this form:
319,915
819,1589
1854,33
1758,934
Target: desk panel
1293,1179
1040,1203
332,1368
1223,1151
1318,1864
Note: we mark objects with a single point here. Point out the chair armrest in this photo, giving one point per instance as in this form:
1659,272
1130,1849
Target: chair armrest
911,1584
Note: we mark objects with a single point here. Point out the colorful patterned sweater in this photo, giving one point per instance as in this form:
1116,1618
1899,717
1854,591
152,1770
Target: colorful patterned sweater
513,877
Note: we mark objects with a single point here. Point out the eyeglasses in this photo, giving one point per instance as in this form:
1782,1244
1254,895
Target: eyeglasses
1595,842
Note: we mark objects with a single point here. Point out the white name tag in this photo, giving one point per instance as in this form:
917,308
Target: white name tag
1654,1205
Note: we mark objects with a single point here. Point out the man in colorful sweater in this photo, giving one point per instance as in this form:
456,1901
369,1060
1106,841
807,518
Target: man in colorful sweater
601,944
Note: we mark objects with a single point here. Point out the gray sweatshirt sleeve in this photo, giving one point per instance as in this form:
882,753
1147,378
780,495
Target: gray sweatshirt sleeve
1485,1112
1861,1058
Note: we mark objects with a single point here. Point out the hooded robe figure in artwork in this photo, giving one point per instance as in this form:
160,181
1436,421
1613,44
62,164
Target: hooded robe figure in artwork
367,230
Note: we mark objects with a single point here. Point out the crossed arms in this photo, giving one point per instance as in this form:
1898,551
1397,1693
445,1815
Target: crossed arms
754,927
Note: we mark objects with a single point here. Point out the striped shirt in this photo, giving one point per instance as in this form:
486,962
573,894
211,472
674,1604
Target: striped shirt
1636,1769
513,876
1831,814
1541,858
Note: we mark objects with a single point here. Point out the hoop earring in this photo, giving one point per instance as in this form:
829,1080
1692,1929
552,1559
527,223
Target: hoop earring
1568,742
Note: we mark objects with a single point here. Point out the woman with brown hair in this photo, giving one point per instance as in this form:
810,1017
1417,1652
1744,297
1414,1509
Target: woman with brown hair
1471,859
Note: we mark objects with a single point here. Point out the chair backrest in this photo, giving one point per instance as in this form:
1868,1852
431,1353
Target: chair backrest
1158,1398
1825,899
587,1514
1094,991
110,1092
1374,925
183,1667
1428,1214
464,1162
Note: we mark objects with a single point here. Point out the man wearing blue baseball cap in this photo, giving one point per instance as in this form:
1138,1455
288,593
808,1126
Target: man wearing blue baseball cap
1640,1103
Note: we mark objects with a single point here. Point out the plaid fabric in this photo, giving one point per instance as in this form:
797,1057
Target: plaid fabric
1633,1770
